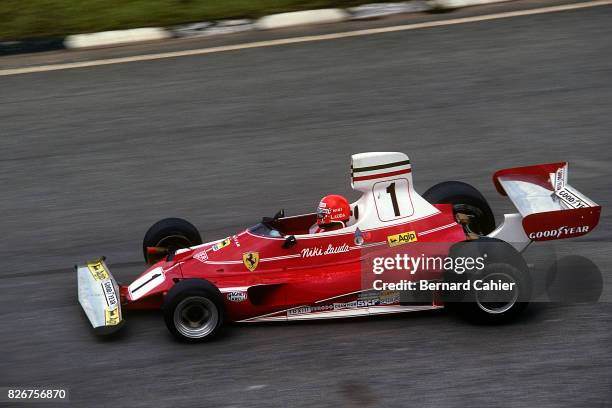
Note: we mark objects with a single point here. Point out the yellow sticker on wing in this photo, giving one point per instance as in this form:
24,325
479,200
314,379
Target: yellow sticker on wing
98,270
111,317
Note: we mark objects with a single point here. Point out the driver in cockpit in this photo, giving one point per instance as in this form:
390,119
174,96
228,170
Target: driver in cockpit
333,212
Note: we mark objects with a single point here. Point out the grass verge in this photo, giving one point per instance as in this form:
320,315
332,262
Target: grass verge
35,18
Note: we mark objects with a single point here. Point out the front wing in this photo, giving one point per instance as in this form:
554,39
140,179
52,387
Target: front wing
99,296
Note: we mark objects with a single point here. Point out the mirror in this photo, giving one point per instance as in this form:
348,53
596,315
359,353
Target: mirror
289,242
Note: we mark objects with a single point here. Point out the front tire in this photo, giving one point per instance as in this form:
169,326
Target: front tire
171,234
193,310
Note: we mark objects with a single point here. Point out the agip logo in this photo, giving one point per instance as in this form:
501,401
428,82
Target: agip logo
402,238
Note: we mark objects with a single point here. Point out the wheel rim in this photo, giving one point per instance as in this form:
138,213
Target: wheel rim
196,317
497,301
477,222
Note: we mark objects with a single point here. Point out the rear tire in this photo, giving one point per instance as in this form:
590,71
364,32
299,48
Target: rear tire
501,263
465,199
172,234
497,306
193,310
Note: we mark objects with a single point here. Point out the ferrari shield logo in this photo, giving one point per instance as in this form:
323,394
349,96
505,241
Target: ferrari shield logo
250,260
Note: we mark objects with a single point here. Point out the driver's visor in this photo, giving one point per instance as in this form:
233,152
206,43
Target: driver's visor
322,212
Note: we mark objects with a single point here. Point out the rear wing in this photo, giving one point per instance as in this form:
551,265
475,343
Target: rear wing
550,208
99,296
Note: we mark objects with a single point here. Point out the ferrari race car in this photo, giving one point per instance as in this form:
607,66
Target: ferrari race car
277,270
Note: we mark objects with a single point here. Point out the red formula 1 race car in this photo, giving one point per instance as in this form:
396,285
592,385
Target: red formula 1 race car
278,271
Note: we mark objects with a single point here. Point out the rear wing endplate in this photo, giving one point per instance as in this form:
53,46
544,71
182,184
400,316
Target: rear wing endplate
99,296
550,207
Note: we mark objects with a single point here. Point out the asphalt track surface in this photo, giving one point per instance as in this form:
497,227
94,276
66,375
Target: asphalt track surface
91,157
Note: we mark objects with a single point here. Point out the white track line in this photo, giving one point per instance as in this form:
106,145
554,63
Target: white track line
295,40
